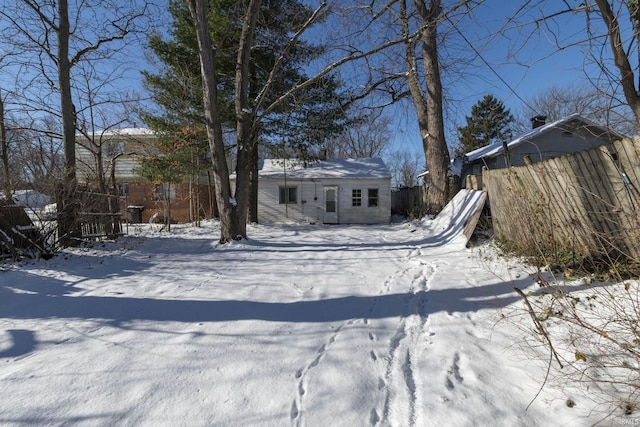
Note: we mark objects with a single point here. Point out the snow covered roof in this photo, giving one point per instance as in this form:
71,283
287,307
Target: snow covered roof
331,168
124,132
29,198
496,148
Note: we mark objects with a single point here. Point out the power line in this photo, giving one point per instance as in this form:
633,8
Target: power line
511,89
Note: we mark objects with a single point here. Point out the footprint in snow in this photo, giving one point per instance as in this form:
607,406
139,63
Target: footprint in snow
453,373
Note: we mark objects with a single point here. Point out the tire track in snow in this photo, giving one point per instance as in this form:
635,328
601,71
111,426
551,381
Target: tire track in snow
297,406
402,390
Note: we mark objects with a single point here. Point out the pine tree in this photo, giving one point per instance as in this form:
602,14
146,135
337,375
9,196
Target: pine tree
314,114
489,122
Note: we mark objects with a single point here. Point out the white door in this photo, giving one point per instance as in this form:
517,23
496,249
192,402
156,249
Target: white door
330,205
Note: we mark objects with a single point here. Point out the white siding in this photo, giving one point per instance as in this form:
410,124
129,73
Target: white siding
349,214
85,163
124,168
87,166
309,206
132,144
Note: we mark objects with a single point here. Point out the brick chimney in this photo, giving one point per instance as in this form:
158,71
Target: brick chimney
538,121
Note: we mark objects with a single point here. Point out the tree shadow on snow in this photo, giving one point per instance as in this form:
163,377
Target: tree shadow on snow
23,342
117,310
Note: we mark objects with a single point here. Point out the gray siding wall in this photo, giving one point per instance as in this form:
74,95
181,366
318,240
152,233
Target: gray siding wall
309,206
554,144
124,166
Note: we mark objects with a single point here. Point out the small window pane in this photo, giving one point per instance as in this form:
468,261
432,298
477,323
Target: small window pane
330,202
165,192
293,196
373,197
356,197
124,189
288,195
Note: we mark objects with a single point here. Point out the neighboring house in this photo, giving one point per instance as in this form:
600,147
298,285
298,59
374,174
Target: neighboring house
121,150
140,200
334,191
545,141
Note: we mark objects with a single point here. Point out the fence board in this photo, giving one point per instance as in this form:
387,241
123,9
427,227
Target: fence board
629,157
557,183
618,194
537,196
580,220
562,226
629,197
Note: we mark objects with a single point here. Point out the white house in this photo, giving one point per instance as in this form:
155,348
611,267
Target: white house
334,191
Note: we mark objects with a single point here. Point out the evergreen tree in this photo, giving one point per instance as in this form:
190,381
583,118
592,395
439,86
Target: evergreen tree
177,89
489,122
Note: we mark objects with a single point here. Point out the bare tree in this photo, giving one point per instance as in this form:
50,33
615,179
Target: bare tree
4,152
557,102
405,168
368,136
413,71
37,157
53,39
607,32
227,208
428,99
620,50
100,109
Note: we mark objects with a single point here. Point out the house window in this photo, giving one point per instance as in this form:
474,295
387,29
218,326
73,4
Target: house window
165,192
373,197
356,197
114,148
288,195
124,189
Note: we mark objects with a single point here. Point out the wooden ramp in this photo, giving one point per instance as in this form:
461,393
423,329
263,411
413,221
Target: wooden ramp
461,214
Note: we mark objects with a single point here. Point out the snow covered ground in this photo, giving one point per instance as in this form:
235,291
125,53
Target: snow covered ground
301,325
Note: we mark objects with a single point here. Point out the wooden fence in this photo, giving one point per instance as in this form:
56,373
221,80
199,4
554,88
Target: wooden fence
587,203
18,235
408,201
98,215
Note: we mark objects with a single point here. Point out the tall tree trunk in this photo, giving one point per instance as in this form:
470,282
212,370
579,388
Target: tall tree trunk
428,106
434,142
6,182
245,115
229,217
253,180
68,227
252,214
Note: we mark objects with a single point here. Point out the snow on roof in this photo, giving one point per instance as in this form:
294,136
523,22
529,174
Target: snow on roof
29,198
496,148
125,132
331,168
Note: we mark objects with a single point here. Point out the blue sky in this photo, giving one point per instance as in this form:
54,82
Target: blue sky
541,64
547,58
524,60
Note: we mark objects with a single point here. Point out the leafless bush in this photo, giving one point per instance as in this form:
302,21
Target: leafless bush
589,324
